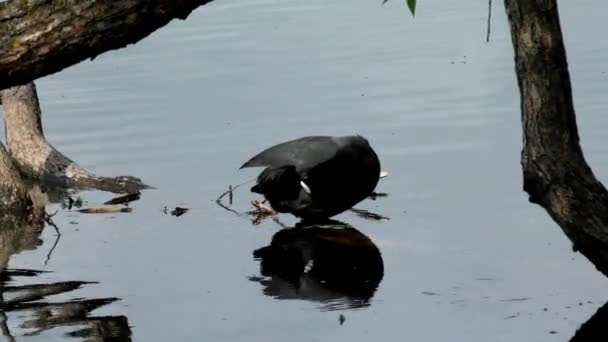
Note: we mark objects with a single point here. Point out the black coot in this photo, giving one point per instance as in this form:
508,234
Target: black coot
317,177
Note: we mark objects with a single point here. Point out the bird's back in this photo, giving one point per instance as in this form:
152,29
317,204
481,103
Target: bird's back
337,173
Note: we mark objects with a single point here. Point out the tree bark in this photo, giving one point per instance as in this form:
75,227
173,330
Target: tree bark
15,203
555,173
40,37
36,158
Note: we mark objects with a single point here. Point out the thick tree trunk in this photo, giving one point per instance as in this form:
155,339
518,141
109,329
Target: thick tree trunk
556,175
40,37
15,203
36,157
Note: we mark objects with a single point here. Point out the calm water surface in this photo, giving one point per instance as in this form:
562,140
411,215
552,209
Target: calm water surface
465,256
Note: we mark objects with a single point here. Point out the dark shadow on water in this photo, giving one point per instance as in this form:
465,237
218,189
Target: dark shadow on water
595,329
333,264
29,306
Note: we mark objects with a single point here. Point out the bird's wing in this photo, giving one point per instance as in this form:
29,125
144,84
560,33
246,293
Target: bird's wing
302,153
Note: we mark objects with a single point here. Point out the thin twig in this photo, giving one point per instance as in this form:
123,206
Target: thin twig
260,212
230,193
48,219
48,255
489,20
219,201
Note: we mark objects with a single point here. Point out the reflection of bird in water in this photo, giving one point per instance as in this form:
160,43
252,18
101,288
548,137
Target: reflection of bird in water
317,177
334,264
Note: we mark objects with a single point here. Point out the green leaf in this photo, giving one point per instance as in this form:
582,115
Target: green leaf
411,4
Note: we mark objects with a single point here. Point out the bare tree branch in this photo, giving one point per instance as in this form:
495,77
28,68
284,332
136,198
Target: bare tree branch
41,37
556,175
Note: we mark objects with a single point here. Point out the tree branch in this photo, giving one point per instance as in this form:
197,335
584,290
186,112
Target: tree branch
41,37
556,175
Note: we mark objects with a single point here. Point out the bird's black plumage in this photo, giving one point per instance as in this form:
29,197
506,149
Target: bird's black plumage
317,177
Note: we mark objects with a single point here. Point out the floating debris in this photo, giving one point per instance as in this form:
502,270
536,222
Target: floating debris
71,203
515,299
261,212
105,210
341,319
78,202
368,214
429,293
512,316
179,211
125,199
262,209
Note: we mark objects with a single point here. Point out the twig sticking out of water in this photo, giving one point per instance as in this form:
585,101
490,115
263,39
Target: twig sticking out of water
230,196
489,21
48,255
260,212
48,219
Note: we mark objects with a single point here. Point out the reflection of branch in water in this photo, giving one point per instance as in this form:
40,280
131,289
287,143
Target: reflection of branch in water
46,316
28,293
48,218
595,327
4,327
113,328
48,255
29,304
230,193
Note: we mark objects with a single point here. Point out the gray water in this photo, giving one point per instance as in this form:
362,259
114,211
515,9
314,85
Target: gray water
466,257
